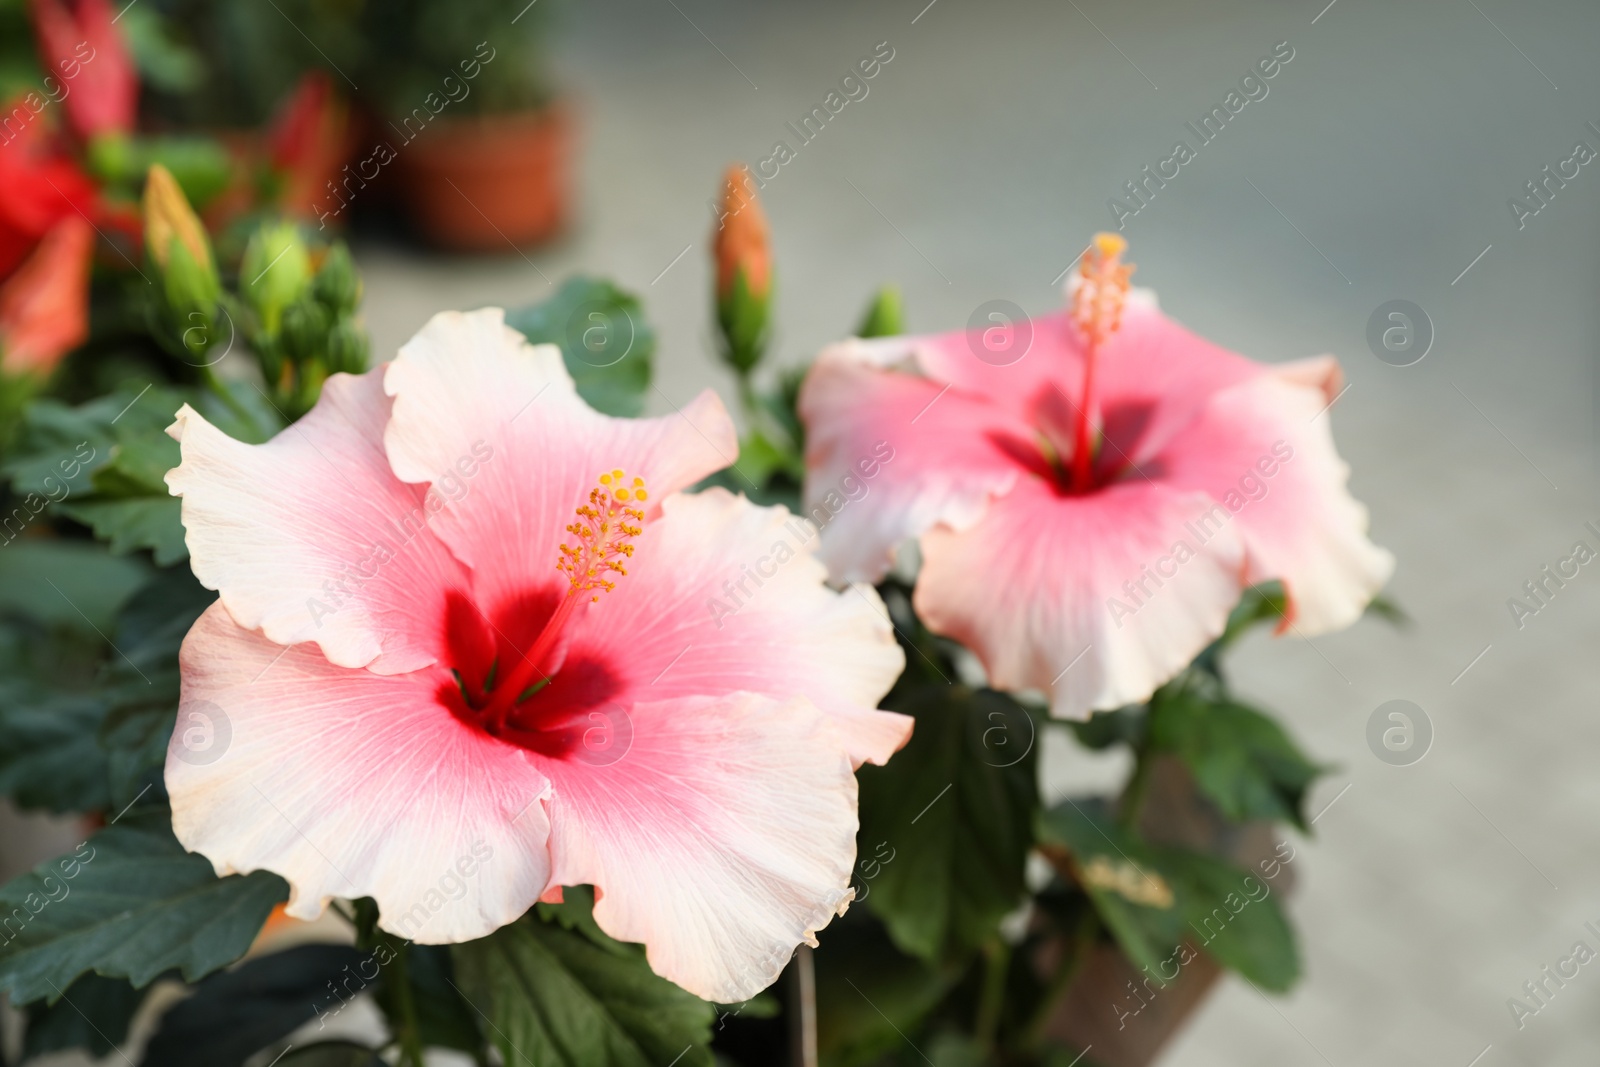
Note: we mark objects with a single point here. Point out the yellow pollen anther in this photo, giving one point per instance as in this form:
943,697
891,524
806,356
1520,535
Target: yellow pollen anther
603,536
1102,293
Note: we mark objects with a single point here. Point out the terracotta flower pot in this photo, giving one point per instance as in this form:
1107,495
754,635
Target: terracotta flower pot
479,184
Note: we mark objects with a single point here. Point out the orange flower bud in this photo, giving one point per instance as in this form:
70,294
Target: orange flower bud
167,215
741,240
44,306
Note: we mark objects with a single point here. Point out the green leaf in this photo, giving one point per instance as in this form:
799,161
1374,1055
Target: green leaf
576,913
94,1015
128,903
956,811
233,1014
1106,728
444,1019
104,463
556,999
606,342
1241,759
1242,931
128,525
1154,898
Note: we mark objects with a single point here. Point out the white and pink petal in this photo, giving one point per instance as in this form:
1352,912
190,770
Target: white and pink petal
352,784
1095,600
1265,450
310,537
722,838
496,426
722,596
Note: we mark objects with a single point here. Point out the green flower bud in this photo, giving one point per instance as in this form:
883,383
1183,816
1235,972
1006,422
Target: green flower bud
275,272
885,317
305,330
347,347
337,284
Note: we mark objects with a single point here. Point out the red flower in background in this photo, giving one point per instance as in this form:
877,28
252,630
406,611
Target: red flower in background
308,141
40,188
44,306
82,44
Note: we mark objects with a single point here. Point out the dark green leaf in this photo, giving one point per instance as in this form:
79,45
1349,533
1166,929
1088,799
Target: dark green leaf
1106,728
444,1019
869,993
65,583
50,758
955,812
606,342
556,999
94,1015
234,1014
331,1054
1242,760
129,903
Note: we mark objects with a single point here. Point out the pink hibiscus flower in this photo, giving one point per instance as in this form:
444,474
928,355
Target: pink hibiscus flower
463,656
1091,490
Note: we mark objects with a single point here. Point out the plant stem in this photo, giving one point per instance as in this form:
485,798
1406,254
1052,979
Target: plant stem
804,1026
407,1029
996,962
1131,803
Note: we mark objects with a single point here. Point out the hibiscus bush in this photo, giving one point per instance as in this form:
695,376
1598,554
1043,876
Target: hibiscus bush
437,702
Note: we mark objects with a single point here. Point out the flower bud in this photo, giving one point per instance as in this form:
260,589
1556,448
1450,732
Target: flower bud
744,271
177,244
885,317
44,305
274,273
347,347
305,330
83,45
337,284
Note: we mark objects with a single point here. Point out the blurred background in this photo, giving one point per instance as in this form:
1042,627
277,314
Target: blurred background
1390,159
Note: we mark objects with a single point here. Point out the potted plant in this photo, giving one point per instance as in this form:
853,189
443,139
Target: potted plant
469,119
